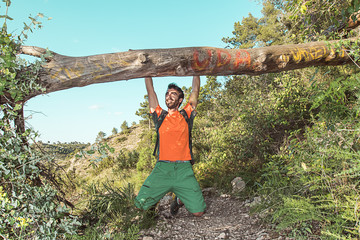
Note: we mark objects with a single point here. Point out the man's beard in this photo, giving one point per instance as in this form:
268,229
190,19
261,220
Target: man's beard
172,104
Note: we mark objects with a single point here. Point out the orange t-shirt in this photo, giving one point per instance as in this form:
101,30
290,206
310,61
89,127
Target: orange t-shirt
174,136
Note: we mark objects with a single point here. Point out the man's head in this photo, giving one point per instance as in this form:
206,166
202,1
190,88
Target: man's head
174,96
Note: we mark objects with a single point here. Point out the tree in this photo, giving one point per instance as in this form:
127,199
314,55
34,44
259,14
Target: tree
144,112
124,127
253,32
114,131
62,72
316,20
257,49
258,39
208,95
101,135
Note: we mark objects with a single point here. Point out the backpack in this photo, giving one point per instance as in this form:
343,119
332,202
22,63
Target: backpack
159,120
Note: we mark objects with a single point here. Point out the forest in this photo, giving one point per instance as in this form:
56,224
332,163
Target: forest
293,136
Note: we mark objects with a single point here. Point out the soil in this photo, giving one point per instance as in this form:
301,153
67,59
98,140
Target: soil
226,217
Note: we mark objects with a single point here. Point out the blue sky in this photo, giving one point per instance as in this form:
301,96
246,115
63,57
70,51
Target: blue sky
82,28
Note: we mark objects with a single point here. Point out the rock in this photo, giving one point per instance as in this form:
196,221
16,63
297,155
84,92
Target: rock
256,201
264,213
221,236
238,185
251,203
210,191
164,204
167,199
147,238
225,196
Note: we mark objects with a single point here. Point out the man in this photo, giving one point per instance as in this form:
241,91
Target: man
173,171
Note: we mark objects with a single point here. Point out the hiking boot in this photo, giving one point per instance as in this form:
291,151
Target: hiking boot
175,205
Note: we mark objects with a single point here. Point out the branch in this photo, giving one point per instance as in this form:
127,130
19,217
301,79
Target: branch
32,51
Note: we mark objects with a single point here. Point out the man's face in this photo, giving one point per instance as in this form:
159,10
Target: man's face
172,99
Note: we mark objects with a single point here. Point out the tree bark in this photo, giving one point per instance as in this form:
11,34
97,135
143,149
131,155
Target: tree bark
64,72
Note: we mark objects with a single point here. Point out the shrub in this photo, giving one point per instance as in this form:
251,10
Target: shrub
146,159
316,182
126,159
30,207
111,212
120,139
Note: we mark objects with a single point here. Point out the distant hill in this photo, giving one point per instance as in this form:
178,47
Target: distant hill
81,166
61,150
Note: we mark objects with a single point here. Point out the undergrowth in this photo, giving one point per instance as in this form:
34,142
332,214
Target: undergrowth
110,213
311,186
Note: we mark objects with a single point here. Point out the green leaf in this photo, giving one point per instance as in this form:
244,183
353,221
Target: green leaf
356,5
17,107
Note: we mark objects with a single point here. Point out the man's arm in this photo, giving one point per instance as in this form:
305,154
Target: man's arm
153,100
194,95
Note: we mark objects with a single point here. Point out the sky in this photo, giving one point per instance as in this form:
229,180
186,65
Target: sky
83,28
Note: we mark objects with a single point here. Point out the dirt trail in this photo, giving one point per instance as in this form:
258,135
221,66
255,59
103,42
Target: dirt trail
225,218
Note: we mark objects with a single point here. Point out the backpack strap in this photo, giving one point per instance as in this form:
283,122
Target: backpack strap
158,121
190,122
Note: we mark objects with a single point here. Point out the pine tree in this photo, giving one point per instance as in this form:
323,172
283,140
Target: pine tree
144,113
101,135
114,131
124,127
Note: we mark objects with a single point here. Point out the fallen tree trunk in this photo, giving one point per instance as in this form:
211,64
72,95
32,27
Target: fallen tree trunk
63,72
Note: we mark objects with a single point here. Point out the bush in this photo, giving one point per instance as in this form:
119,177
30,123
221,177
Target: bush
146,159
310,185
316,183
111,212
120,139
30,207
249,122
105,163
126,159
